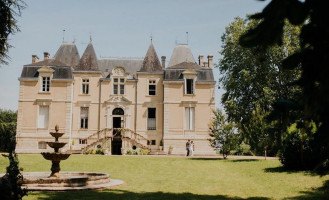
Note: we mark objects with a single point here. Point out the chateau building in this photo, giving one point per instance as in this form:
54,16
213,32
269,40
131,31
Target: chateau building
118,103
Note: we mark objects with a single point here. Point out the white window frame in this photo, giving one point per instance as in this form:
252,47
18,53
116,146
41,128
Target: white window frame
193,86
85,120
152,82
189,118
45,121
120,82
85,86
45,83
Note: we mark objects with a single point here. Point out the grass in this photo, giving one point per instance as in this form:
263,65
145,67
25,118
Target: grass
183,178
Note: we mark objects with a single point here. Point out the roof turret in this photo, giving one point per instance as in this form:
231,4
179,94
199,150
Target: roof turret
151,61
68,54
181,54
88,61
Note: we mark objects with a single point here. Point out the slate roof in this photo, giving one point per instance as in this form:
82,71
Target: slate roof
68,54
131,65
186,65
151,61
204,75
48,62
88,61
61,72
181,53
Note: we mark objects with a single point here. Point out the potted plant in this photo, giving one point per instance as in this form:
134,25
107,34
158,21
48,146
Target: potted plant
161,145
170,149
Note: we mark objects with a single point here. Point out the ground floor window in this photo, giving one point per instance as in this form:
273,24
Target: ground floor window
42,145
82,141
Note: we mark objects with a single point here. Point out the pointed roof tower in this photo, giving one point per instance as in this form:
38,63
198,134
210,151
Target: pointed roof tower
68,54
181,54
151,61
88,61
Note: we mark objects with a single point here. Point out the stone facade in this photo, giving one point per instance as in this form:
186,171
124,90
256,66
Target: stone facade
120,103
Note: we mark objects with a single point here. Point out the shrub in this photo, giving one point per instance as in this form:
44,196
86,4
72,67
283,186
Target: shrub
129,151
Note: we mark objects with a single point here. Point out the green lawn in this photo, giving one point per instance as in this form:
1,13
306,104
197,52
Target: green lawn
183,178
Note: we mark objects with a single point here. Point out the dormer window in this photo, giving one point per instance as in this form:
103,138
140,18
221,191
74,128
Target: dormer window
45,84
189,86
118,85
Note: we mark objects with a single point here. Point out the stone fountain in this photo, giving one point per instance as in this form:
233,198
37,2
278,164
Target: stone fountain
55,157
64,181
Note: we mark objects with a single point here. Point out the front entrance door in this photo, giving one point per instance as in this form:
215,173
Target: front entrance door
117,141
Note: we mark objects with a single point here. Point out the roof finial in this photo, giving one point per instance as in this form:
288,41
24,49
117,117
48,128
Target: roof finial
63,34
90,38
186,37
151,38
74,39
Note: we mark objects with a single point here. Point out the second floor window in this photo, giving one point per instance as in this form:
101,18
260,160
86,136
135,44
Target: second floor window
85,86
118,86
84,117
152,87
45,84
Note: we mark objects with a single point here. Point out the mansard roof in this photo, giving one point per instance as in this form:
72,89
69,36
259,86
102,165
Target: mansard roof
60,72
68,54
131,65
48,62
181,53
88,61
151,61
203,75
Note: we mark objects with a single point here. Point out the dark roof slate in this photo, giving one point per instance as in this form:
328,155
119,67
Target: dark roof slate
88,61
61,72
151,61
68,54
48,62
131,65
176,75
185,65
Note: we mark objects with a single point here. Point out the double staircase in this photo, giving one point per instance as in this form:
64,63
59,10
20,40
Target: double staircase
104,136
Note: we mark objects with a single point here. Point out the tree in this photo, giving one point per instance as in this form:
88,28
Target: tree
312,58
9,10
223,134
8,120
253,79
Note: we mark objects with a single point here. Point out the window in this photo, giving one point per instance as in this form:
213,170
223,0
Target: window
85,86
152,88
45,84
118,86
151,119
43,117
42,145
82,141
84,117
189,86
189,118
153,142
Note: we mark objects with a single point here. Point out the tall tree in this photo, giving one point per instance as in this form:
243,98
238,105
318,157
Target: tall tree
313,56
253,77
9,10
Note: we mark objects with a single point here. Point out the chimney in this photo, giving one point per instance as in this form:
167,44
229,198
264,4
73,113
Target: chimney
35,58
205,64
210,61
163,62
46,55
201,60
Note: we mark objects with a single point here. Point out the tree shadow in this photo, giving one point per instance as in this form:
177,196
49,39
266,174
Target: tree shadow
124,195
215,158
321,193
245,160
281,169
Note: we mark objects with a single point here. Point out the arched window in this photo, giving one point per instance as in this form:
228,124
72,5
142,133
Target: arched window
118,111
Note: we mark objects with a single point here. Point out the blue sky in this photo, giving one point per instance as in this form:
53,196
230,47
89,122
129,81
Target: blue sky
119,28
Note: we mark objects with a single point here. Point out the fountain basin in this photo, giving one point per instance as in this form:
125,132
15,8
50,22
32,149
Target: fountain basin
55,156
56,144
56,135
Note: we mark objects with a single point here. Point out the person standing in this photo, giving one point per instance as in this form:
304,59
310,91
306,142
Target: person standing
191,148
188,144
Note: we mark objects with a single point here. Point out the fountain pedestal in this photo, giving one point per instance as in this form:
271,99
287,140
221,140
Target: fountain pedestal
55,157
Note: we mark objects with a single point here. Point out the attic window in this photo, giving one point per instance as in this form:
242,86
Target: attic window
189,86
152,87
45,84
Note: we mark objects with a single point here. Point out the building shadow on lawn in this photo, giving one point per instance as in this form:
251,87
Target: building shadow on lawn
124,195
